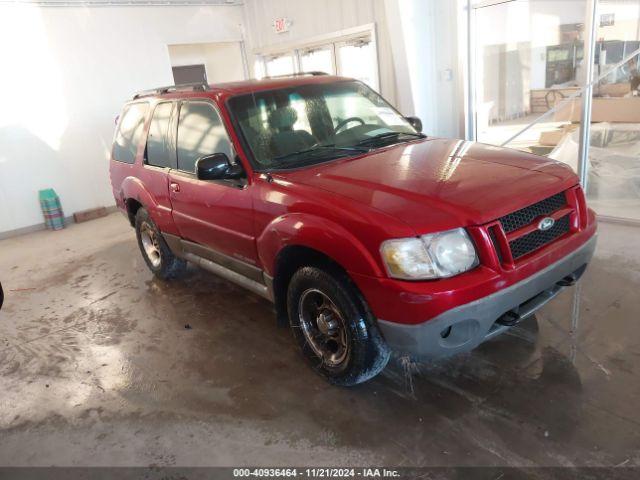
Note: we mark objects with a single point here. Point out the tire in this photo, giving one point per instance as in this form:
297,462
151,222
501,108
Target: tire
334,327
155,251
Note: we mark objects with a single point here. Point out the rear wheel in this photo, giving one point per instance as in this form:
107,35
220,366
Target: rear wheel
334,328
155,251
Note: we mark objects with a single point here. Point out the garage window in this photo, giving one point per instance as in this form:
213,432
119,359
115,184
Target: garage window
158,145
200,132
353,56
280,65
129,134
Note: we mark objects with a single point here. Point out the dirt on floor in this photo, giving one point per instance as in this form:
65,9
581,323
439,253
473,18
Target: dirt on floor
102,364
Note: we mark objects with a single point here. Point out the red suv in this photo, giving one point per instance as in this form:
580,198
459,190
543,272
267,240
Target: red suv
370,237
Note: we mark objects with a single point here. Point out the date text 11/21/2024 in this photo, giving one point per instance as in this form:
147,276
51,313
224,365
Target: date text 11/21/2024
316,472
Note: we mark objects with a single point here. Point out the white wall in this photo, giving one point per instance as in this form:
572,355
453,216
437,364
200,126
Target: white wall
223,62
70,69
627,19
425,48
416,40
65,74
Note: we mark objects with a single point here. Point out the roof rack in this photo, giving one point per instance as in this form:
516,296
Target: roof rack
172,88
298,74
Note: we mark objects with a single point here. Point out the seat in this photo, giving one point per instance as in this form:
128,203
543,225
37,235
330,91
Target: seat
286,140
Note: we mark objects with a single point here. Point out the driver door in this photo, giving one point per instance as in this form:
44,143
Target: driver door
214,214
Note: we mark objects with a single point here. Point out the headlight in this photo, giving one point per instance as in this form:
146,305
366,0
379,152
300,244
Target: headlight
436,255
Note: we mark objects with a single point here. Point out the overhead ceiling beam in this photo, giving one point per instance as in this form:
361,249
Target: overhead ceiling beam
120,3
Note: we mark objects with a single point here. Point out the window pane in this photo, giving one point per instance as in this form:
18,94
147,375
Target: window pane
258,68
129,133
356,59
613,184
346,105
282,65
317,60
200,132
529,59
278,123
158,147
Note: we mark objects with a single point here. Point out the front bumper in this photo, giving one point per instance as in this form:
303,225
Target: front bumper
463,328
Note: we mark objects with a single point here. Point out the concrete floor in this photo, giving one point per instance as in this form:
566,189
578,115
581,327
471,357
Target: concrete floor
97,368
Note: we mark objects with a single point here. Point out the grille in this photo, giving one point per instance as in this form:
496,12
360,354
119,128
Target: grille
496,245
536,239
526,215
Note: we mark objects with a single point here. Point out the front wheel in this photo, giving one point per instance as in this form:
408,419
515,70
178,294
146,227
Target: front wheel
155,251
334,328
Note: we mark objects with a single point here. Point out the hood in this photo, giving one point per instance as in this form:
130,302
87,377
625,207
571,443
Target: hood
436,184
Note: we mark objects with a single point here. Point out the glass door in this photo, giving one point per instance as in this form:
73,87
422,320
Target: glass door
529,57
613,172
530,69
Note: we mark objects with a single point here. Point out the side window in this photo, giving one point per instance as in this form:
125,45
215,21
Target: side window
158,146
200,132
130,129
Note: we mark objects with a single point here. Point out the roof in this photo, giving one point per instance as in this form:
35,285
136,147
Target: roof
241,87
254,85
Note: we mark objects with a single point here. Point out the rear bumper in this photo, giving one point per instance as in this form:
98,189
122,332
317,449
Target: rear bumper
473,323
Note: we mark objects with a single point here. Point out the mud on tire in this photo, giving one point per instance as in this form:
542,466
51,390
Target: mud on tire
155,251
315,299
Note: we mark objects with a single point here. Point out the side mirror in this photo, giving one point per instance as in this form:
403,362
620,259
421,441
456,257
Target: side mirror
217,167
415,123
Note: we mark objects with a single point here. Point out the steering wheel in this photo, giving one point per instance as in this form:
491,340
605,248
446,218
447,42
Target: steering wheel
346,121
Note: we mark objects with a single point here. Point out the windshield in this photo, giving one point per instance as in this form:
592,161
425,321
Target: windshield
308,124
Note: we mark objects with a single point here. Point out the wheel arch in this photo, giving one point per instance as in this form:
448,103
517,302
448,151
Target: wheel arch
288,261
132,205
368,348
297,240
135,196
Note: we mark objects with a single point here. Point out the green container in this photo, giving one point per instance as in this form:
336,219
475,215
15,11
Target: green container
51,209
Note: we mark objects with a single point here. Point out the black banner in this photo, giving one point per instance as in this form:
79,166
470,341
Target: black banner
306,473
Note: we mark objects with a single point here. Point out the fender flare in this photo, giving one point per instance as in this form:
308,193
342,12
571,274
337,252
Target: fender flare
317,233
133,188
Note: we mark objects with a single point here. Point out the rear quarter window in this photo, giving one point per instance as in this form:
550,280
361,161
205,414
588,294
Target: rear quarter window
129,133
159,150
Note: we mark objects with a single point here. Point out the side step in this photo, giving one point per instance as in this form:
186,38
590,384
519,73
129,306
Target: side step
231,269
230,275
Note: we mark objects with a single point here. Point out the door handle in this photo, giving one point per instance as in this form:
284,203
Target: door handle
174,187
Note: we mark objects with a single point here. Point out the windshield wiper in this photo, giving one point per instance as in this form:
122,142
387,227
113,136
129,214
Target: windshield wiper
319,148
388,136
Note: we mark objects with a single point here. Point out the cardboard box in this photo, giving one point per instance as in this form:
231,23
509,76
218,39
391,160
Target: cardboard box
612,109
86,215
551,138
614,89
544,99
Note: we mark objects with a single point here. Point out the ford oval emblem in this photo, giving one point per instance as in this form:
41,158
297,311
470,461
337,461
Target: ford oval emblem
546,224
